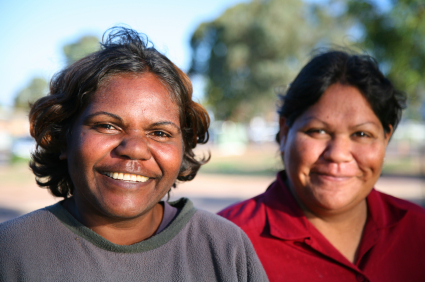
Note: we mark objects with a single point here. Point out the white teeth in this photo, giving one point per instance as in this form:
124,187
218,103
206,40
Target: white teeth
127,176
142,178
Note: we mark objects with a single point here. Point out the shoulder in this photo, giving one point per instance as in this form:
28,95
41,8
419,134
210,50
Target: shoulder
397,210
205,228
26,224
199,224
246,214
394,204
26,236
214,224
220,245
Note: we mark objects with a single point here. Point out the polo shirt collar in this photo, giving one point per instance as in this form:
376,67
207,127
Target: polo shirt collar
286,220
381,216
284,216
381,213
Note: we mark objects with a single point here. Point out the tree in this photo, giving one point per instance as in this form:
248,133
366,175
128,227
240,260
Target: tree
84,46
255,47
37,88
396,37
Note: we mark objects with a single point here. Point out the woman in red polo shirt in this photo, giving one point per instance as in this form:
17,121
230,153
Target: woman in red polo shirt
321,220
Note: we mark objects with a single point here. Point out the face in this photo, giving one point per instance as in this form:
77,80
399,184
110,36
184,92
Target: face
333,153
125,150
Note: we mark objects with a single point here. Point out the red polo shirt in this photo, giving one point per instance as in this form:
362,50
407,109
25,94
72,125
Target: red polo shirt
292,249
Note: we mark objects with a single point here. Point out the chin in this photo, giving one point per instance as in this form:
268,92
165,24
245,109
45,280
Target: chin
124,209
339,205
124,213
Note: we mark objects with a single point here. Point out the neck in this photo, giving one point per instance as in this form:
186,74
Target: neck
345,219
343,231
119,231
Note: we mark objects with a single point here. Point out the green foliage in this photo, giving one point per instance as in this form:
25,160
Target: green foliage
36,89
396,37
255,47
84,46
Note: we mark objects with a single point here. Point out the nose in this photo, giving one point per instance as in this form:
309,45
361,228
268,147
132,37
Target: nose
338,150
134,147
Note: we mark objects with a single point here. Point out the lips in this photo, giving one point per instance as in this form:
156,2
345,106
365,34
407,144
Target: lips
333,175
126,176
337,171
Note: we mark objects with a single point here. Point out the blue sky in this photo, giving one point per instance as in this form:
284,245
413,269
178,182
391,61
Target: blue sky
34,31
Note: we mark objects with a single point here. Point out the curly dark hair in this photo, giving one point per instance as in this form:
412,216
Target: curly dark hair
122,51
334,66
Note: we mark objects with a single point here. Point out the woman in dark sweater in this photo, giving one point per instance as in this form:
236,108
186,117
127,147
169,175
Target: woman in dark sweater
115,134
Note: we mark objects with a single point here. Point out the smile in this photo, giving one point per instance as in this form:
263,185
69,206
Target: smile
127,176
332,177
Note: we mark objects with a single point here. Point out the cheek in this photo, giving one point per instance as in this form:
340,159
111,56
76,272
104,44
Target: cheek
302,152
88,149
370,157
169,157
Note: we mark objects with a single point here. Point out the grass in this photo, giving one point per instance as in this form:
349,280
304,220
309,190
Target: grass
257,160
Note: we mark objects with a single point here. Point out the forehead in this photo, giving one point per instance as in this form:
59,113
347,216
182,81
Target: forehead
134,95
116,84
342,104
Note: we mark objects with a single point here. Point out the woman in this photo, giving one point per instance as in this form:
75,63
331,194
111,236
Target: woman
321,220
115,134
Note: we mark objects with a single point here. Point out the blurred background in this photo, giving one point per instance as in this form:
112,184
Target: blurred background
239,55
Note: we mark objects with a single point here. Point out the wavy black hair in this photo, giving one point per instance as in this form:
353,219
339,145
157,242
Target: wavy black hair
334,66
123,51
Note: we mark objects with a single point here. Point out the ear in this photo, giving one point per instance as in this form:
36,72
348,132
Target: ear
283,133
387,135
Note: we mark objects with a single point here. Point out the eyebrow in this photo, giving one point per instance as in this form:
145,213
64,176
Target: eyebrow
120,119
103,113
167,123
366,123
308,119
326,124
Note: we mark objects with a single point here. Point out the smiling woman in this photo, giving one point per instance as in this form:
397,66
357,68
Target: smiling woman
321,220
124,153
113,137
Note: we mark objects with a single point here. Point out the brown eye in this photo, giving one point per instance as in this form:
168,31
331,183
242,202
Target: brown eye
161,134
315,132
104,127
361,134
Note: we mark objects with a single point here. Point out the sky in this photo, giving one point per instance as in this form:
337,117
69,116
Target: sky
34,31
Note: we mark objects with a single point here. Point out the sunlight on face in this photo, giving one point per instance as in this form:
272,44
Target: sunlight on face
126,148
334,151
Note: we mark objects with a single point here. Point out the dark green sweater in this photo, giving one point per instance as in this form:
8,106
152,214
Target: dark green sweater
51,245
